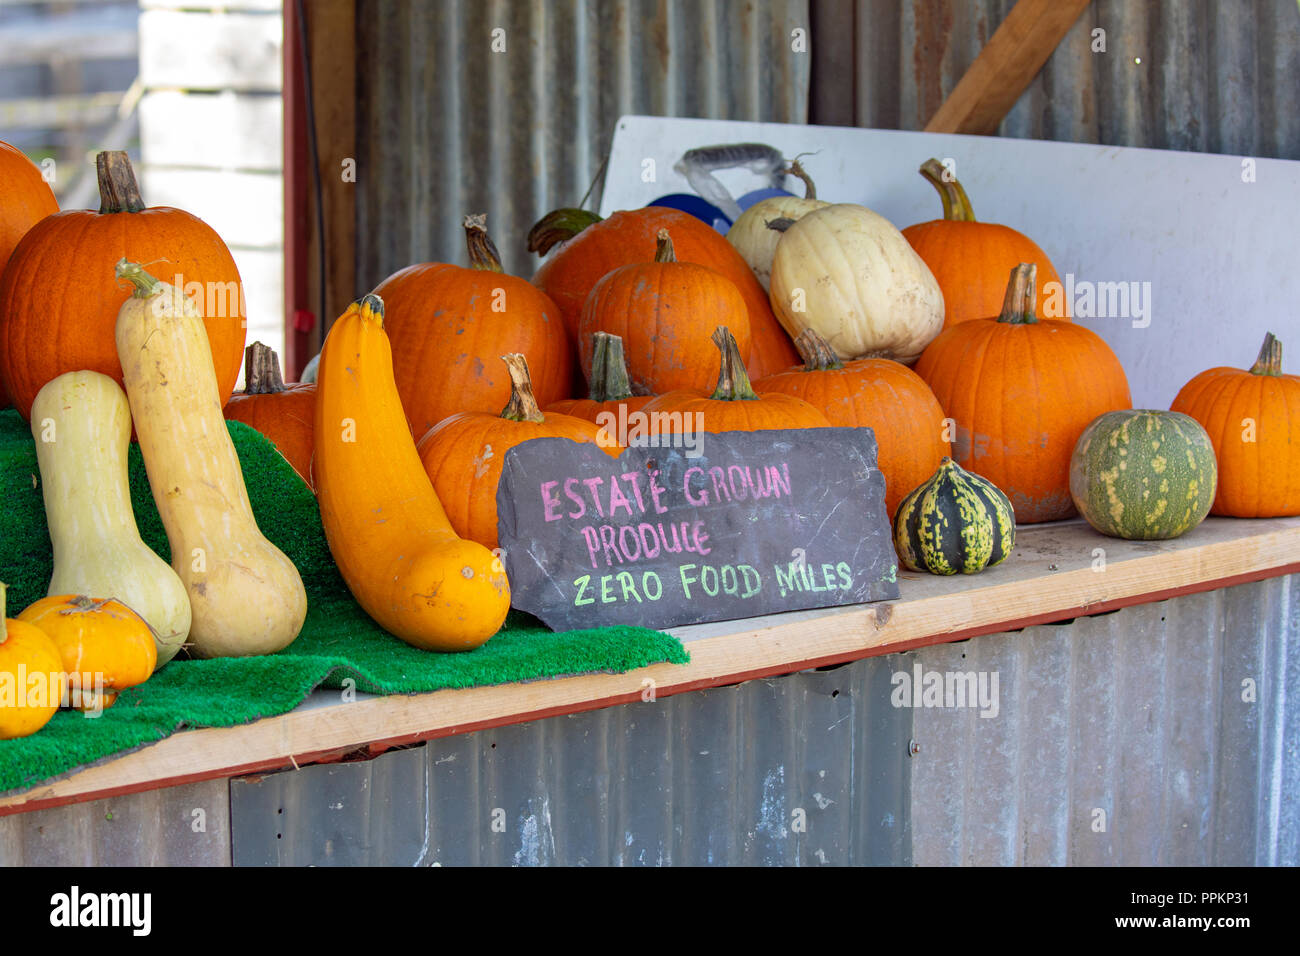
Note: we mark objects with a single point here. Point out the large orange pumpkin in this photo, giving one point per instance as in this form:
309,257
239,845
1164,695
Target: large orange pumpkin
1021,391
285,414
59,301
969,258
664,310
448,324
880,394
610,387
595,247
733,406
464,455
1253,419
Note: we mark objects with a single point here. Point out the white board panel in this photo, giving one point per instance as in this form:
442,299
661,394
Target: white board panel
1213,256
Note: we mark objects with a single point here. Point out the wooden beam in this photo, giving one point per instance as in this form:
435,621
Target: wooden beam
1053,575
1006,66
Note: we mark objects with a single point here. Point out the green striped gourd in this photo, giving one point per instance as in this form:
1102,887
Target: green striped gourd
955,521
1143,475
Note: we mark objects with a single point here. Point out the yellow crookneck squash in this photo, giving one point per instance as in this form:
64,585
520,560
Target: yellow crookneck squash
386,528
82,426
246,596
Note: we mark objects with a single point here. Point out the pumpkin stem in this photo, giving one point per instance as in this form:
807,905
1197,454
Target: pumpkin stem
733,379
609,381
780,224
483,253
1270,357
81,604
118,189
796,169
956,204
558,226
371,308
145,284
262,370
816,352
1022,296
664,251
523,404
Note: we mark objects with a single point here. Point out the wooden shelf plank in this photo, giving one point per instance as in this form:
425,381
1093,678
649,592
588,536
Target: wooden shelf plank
1057,572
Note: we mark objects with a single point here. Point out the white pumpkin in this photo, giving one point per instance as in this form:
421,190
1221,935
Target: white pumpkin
750,236
848,274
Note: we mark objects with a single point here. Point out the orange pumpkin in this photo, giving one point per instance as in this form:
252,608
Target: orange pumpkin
99,640
1021,391
969,258
59,301
664,310
1253,419
447,325
595,247
880,394
733,406
32,680
610,387
283,413
464,455
27,198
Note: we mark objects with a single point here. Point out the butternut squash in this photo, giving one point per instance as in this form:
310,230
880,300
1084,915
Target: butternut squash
82,426
386,528
246,597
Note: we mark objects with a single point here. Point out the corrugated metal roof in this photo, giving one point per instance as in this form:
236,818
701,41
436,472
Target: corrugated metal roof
446,126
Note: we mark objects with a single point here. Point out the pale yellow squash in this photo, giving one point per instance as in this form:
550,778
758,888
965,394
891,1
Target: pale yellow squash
848,274
82,426
246,596
756,241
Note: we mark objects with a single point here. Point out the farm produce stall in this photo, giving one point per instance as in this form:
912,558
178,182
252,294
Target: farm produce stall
825,729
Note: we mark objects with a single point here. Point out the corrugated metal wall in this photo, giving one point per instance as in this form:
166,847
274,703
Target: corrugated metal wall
1213,76
447,126
1125,738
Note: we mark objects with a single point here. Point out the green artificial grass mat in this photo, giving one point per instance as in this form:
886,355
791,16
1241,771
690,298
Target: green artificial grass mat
338,642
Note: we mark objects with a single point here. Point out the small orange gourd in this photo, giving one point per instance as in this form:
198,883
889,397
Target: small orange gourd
32,680
386,528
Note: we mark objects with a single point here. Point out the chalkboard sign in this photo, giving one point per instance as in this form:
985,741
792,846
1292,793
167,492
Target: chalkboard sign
743,524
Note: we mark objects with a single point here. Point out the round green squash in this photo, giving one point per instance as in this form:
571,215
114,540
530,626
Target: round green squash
1143,475
955,521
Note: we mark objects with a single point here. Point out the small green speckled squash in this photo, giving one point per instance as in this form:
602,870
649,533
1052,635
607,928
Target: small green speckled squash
1143,475
955,521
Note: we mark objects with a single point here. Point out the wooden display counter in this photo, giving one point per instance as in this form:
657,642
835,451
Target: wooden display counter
1057,572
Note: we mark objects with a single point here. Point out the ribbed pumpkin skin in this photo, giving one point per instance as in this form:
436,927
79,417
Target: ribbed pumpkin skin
628,237
446,340
664,312
1259,478
1143,475
969,261
285,418
27,198
885,396
955,522
59,301
770,411
1021,396
464,455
